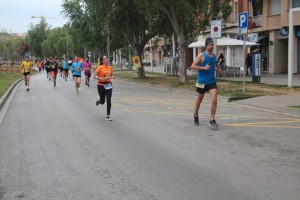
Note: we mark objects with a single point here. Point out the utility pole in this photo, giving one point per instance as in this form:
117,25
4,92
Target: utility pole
108,54
291,46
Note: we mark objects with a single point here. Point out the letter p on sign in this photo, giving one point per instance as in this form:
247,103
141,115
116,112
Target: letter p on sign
243,22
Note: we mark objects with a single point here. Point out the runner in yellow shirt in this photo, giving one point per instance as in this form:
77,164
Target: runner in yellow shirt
26,67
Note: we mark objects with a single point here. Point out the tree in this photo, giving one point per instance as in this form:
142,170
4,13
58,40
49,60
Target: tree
36,35
124,22
23,48
88,19
188,19
130,27
10,48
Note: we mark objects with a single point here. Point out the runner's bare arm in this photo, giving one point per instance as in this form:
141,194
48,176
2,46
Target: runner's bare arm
95,75
199,59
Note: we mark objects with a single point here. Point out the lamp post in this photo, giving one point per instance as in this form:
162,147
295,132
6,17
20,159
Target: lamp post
68,44
151,58
291,46
129,55
108,54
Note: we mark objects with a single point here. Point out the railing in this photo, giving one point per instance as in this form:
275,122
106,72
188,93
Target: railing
233,19
258,20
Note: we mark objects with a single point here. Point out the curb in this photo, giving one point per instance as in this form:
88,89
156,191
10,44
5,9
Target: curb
291,112
8,92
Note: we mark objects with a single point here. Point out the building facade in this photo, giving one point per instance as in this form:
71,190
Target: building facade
269,19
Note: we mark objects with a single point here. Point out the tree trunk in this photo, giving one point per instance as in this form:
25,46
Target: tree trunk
179,31
140,71
182,62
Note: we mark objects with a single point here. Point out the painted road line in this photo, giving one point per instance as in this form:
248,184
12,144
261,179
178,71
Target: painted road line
262,126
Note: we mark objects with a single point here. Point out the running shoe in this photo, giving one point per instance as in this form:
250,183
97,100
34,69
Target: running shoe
54,84
108,118
97,102
213,124
196,120
27,89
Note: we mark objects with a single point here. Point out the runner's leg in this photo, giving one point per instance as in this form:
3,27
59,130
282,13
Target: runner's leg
101,92
108,100
78,81
198,102
213,95
27,80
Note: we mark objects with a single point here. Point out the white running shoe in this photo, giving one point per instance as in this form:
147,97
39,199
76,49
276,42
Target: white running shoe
108,118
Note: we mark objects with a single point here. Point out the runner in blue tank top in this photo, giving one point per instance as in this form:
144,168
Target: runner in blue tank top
205,63
76,69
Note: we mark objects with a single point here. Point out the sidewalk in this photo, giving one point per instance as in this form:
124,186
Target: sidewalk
275,79
276,104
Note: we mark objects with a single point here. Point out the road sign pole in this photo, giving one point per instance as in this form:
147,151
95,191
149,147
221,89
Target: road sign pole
244,68
243,29
215,33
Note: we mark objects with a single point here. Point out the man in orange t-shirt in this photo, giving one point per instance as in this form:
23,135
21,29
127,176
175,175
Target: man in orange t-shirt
104,76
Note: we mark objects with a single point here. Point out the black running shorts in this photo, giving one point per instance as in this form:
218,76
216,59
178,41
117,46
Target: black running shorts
206,88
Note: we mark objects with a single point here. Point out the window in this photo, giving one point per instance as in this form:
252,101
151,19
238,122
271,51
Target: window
235,11
257,7
295,3
274,7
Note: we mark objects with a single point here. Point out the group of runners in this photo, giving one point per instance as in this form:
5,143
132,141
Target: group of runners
205,64
53,67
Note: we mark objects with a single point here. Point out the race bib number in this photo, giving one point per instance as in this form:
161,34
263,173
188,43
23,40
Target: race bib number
87,68
76,69
200,85
108,86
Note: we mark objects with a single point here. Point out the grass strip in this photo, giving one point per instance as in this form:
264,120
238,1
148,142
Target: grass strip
6,80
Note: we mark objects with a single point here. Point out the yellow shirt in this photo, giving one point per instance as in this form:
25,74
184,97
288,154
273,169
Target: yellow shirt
26,66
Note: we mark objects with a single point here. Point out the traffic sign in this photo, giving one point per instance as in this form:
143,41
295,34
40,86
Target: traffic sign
243,22
89,54
216,29
254,37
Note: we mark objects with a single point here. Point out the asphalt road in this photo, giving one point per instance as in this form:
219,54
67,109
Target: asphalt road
56,144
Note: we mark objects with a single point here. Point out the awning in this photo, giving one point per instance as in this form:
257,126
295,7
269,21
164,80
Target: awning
223,42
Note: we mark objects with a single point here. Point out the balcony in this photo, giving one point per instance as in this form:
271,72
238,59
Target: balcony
255,21
258,20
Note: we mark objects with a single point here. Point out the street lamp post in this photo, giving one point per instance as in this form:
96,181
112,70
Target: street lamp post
108,54
129,55
291,46
68,44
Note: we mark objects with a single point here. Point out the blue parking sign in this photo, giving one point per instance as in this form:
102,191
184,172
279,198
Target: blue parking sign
243,22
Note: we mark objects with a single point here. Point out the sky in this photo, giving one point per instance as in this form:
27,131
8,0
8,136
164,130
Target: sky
15,15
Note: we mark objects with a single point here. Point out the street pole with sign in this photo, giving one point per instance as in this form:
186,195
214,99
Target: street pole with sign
215,32
243,29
